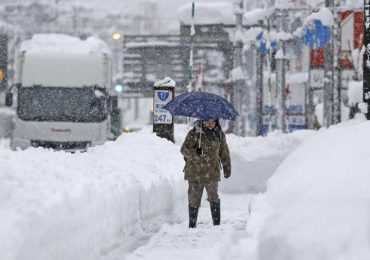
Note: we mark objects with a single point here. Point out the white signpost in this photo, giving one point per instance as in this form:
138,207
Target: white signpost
163,93
161,98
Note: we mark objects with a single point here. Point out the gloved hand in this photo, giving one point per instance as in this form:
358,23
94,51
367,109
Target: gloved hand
199,151
227,174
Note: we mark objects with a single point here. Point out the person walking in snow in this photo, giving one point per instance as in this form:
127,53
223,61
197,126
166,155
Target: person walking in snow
205,151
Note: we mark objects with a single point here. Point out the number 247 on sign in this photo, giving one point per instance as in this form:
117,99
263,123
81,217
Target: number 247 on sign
160,118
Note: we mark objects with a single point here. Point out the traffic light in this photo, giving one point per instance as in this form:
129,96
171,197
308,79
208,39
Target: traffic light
3,61
118,88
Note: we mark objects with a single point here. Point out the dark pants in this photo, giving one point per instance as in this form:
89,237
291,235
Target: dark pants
195,192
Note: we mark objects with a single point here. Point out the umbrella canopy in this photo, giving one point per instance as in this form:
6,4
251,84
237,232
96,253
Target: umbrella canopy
202,105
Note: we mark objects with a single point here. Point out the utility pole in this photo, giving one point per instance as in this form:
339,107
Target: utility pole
259,93
238,78
191,59
3,67
328,76
3,61
280,74
366,60
337,70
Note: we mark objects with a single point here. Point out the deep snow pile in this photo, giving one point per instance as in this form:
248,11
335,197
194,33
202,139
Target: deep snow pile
56,205
255,159
317,204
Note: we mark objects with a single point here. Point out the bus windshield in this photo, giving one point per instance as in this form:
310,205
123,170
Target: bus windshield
61,104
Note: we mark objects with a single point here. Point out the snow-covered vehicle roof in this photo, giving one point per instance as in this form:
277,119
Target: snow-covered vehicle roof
58,60
62,43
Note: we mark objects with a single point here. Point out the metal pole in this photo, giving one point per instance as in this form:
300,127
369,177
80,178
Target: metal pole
259,93
191,59
237,127
337,68
280,88
3,61
328,77
366,59
269,59
280,73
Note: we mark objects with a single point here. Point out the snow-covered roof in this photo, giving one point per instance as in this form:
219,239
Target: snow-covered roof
208,13
62,43
280,36
252,17
166,82
354,4
324,15
251,34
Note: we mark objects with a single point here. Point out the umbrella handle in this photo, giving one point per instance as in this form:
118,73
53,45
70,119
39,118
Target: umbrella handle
200,134
200,139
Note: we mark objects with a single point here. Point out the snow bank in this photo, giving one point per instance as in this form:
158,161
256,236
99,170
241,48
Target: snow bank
355,92
56,205
208,13
317,205
255,159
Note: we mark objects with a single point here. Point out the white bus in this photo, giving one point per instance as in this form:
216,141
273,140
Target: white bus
63,89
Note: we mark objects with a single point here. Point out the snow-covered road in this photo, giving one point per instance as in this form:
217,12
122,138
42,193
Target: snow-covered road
206,241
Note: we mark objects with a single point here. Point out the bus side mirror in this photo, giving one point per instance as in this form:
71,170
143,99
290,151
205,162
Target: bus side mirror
112,104
9,99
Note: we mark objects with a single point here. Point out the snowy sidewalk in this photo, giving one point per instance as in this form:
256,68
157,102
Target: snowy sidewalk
206,241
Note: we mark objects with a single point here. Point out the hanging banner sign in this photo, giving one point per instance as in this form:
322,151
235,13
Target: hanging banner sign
161,98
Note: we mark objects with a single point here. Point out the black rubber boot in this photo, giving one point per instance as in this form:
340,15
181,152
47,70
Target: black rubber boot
216,213
193,215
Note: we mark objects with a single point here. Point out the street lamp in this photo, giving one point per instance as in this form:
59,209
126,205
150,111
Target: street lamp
116,36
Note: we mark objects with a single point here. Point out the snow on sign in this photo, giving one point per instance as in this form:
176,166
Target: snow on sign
161,98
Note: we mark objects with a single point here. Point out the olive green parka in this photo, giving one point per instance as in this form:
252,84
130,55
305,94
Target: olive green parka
206,167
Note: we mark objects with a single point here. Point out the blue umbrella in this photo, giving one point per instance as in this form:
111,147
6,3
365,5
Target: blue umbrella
202,105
